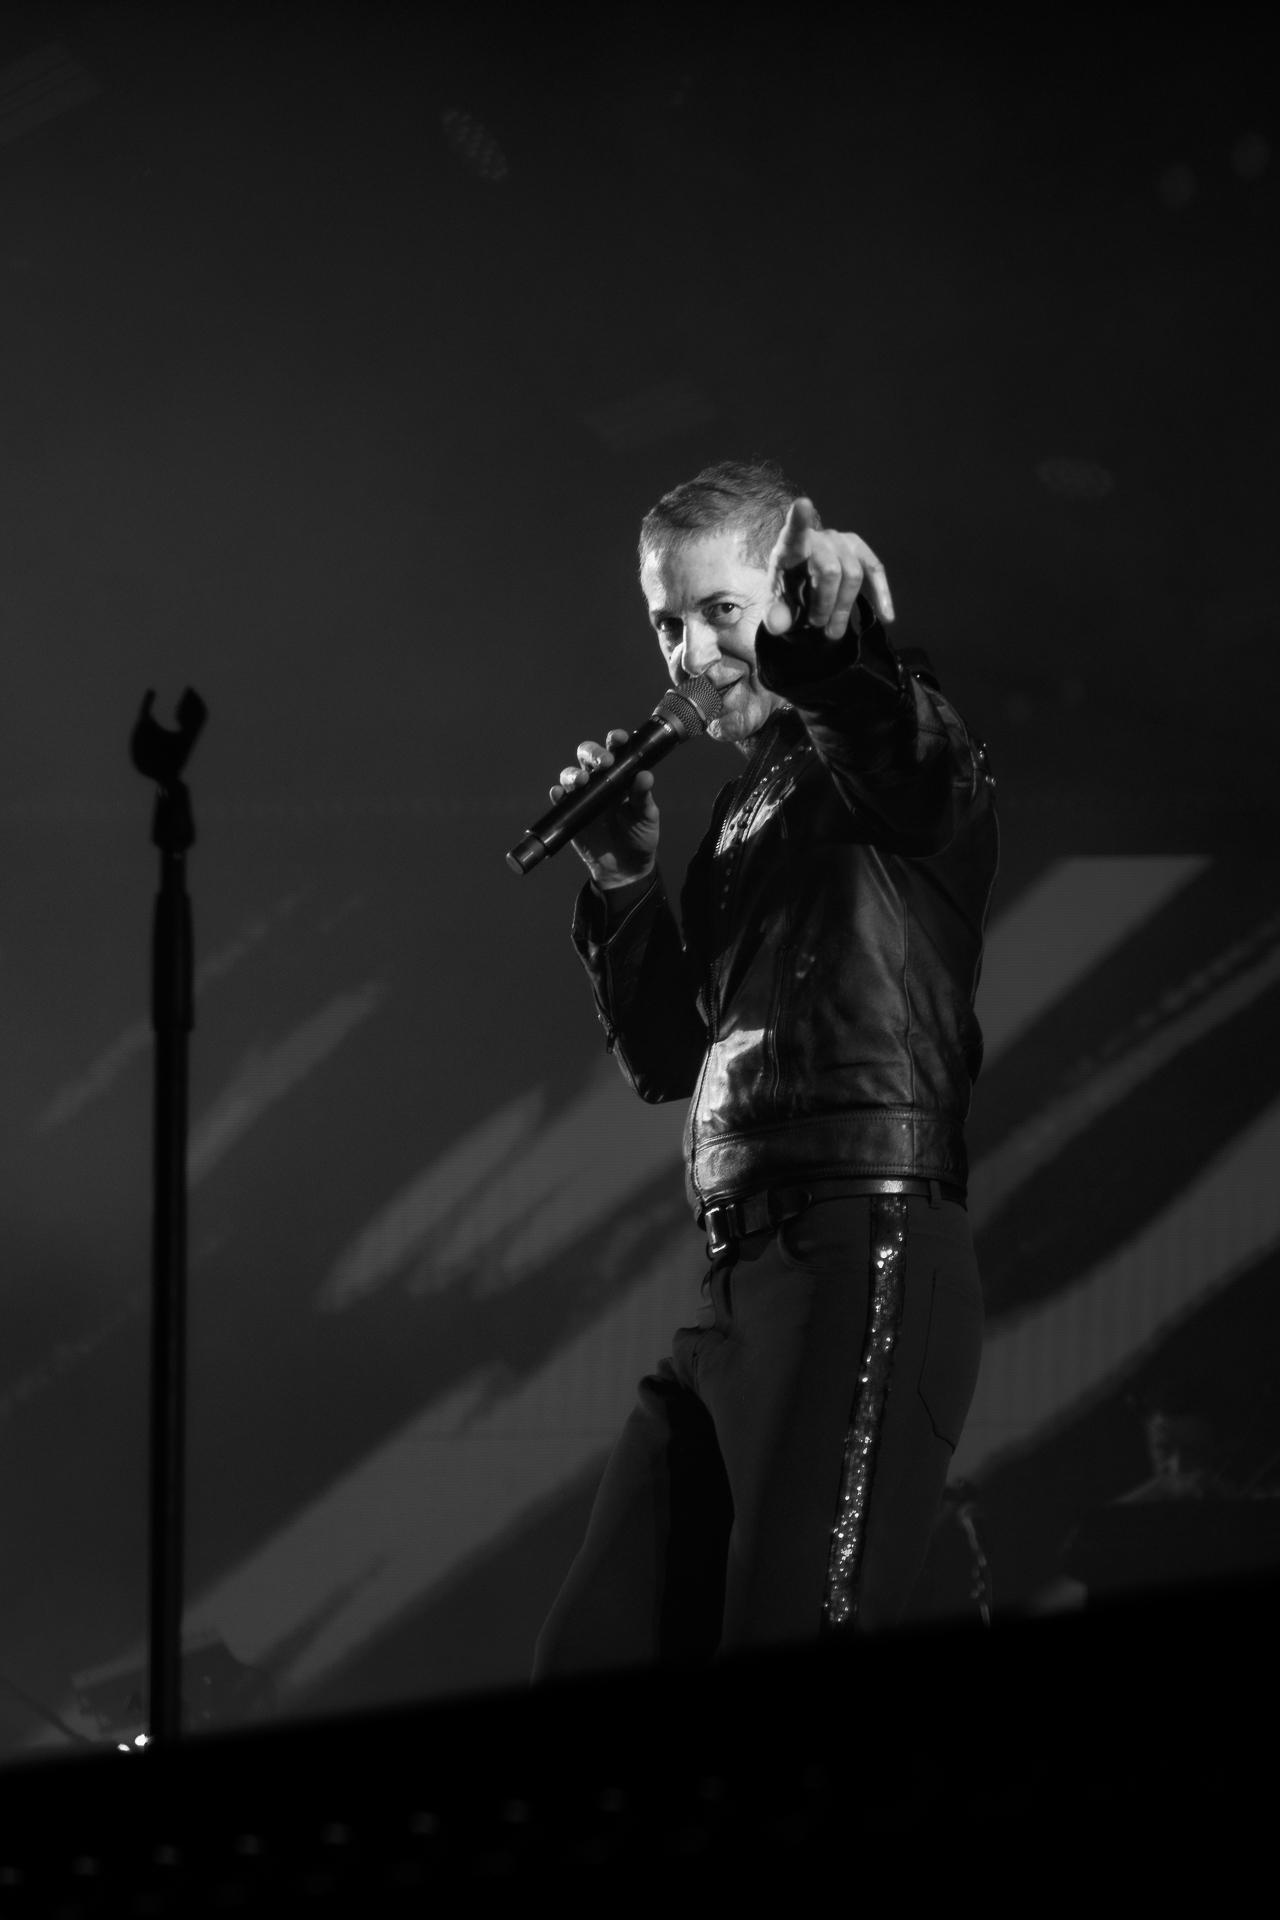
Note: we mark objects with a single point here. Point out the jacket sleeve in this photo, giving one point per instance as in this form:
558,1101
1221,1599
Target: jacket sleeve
645,985
893,745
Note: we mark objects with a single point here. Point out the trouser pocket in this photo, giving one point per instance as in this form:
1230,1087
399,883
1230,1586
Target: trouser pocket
952,1352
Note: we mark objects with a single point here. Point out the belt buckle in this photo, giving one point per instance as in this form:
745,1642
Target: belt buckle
717,1222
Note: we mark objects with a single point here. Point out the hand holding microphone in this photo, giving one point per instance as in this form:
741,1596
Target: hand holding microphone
604,806
620,844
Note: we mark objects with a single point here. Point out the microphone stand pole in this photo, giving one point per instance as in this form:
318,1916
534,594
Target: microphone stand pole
160,755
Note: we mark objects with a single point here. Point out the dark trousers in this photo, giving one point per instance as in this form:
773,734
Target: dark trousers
712,1528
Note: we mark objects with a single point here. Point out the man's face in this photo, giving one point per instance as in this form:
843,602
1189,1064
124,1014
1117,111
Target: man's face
706,601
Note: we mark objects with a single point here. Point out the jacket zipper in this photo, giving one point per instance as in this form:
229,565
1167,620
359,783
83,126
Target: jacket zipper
751,774
715,920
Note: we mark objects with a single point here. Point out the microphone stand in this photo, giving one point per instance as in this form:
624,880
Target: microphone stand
160,754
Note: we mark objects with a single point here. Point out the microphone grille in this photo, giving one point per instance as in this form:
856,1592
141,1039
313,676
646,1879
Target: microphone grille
689,708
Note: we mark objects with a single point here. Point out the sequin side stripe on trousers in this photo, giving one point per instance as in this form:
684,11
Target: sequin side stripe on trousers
866,1416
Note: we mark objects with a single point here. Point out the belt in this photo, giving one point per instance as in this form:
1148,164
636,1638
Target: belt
728,1220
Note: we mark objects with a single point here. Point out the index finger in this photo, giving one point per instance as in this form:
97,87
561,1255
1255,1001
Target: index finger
790,547
874,568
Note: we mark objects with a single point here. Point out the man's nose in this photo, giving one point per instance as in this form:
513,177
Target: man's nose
701,647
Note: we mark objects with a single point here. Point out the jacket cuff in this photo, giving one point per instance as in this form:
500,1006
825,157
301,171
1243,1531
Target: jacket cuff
598,915
790,662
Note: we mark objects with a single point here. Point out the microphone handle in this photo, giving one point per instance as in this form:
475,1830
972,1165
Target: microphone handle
647,745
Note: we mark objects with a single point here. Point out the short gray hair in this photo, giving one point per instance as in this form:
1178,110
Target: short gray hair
747,496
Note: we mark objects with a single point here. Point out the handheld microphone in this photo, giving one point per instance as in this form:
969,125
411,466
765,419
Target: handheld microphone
681,714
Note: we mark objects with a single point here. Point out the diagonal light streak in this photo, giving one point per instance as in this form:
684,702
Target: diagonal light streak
101,1074
40,86
402,1229
265,1077
1046,1366
1060,929
997,1177
446,1487
599,1151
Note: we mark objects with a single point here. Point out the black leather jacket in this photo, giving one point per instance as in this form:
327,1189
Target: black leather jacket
819,1008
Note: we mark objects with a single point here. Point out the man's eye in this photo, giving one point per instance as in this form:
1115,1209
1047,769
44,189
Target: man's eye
726,610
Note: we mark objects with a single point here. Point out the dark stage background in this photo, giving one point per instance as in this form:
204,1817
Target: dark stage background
341,351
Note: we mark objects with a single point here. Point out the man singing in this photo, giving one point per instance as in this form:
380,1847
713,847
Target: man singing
783,1469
